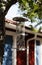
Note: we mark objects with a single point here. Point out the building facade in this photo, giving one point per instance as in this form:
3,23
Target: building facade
22,46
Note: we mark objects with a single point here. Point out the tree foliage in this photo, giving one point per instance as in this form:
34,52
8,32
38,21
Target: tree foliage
4,6
34,8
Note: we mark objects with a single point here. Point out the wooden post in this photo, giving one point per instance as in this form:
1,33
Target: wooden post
14,51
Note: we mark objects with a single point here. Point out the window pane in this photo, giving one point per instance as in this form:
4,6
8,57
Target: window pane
7,57
38,53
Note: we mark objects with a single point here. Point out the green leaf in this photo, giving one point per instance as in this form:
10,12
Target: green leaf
36,6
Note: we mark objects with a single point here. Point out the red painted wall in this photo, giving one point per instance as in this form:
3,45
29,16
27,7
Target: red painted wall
31,52
21,57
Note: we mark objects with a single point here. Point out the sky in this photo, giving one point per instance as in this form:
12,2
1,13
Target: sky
15,11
